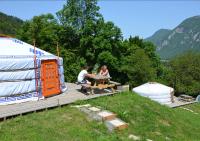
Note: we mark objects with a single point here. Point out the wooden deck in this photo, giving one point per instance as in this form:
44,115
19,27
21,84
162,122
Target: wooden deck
178,103
175,105
70,96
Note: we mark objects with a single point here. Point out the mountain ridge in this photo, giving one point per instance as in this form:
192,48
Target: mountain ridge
184,37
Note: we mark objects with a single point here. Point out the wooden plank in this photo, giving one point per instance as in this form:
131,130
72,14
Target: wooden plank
106,115
101,77
175,105
72,95
116,124
116,83
89,86
100,86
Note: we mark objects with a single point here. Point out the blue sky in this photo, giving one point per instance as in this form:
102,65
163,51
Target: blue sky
134,17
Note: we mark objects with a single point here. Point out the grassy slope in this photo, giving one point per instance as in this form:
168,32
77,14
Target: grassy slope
146,119
194,107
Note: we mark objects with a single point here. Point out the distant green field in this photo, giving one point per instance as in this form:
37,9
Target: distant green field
146,119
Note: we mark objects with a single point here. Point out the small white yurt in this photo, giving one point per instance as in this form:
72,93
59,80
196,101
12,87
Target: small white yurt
156,91
28,73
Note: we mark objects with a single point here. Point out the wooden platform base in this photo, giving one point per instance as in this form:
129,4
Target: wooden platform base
70,96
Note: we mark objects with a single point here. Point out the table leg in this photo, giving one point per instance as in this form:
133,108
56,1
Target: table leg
113,90
91,91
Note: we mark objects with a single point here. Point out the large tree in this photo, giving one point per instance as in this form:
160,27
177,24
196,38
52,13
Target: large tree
186,73
139,62
75,13
41,29
98,38
94,35
84,37
137,68
46,33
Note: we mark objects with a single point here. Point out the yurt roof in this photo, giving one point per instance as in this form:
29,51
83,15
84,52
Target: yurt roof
15,47
153,87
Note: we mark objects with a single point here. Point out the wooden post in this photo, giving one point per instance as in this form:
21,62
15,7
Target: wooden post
58,54
34,44
57,48
172,96
35,66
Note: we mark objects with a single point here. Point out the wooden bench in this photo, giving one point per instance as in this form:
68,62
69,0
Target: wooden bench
100,86
116,83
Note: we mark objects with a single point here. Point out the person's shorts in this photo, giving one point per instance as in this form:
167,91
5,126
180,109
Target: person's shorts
83,82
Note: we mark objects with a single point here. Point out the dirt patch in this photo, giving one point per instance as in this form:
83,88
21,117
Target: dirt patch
164,122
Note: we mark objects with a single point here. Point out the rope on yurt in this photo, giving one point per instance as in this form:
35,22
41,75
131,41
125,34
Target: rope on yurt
5,36
58,54
35,66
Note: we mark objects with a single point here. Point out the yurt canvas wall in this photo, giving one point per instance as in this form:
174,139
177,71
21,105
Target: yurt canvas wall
156,91
24,77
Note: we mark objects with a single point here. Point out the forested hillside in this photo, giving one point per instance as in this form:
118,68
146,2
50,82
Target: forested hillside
158,37
9,24
184,37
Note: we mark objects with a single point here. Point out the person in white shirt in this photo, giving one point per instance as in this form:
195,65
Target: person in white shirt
83,75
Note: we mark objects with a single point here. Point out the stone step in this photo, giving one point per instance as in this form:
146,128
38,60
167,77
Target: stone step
115,124
90,110
94,109
80,106
106,115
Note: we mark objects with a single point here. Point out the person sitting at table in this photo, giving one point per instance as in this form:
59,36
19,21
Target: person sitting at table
84,75
104,71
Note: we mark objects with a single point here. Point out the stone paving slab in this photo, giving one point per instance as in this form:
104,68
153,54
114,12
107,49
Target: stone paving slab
116,124
106,115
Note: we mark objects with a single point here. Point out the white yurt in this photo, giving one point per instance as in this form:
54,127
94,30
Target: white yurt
156,91
28,73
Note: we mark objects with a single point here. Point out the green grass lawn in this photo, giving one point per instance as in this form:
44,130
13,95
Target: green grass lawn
194,107
146,119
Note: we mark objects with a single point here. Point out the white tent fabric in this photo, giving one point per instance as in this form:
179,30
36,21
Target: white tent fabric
14,88
17,75
17,71
155,91
16,63
14,47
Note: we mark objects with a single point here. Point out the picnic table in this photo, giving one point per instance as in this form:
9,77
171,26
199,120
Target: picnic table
101,79
100,82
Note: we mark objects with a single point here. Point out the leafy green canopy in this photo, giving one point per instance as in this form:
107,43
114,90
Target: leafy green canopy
84,37
186,72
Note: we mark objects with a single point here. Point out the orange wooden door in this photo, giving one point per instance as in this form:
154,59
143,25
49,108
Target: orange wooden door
50,78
